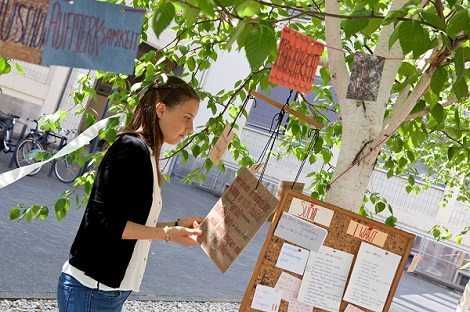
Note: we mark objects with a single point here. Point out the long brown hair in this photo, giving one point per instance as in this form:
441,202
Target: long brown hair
145,122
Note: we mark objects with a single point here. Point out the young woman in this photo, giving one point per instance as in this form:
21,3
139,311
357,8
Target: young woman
108,256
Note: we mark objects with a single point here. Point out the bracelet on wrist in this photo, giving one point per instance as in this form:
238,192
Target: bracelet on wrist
176,222
167,233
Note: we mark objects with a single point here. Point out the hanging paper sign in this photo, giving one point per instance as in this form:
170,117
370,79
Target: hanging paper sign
23,29
235,219
221,145
414,263
93,34
365,77
297,61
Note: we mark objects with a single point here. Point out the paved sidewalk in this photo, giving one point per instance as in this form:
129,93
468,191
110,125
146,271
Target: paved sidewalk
31,255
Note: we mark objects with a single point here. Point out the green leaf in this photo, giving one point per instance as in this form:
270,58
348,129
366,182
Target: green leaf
19,69
459,61
355,25
413,37
460,89
458,240
438,80
259,44
379,207
195,149
14,214
163,17
459,22
418,107
248,8
406,69
451,152
235,33
190,15
437,112
433,19
391,220
167,177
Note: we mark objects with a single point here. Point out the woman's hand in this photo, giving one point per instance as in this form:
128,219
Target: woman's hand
184,235
190,222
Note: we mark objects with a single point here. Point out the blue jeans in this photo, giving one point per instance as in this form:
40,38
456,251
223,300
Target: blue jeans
72,296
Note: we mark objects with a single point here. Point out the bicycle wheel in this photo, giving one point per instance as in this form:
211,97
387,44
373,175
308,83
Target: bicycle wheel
22,157
65,170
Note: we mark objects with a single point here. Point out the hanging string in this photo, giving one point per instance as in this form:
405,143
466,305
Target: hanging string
249,97
357,52
310,147
270,144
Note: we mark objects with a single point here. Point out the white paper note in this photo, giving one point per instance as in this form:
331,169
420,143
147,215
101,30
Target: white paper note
292,258
325,278
371,277
289,285
266,299
296,306
300,232
310,211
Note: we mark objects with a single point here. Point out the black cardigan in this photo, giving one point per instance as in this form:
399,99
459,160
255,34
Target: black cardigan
122,191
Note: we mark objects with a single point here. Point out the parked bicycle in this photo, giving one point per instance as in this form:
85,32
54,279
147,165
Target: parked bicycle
7,125
65,168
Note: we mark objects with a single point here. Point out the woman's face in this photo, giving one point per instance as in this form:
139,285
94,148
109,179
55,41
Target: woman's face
177,121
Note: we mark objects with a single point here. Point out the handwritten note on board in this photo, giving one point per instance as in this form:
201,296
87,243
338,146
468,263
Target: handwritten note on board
292,258
266,299
289,285
371,277
310,211
300,232
367,233
325,278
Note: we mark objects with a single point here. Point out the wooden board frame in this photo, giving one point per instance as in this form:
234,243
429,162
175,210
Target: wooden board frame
266,273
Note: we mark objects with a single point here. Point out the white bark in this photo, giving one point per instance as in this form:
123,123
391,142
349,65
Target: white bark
362,121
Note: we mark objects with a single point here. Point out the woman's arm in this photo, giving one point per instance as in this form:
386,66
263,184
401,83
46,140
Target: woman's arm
163,231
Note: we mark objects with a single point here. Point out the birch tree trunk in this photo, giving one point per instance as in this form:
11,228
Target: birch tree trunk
363,133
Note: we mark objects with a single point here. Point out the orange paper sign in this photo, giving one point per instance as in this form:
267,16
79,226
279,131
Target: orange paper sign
296,62
366,233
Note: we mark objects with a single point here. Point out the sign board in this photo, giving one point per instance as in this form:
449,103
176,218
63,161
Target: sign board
235,219
356,268
92,34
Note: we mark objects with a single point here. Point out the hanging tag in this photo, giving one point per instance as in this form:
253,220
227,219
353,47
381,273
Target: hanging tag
256,167
221,145
297,61
365,77
414,263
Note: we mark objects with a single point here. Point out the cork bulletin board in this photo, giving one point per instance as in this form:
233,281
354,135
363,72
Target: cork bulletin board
360,260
